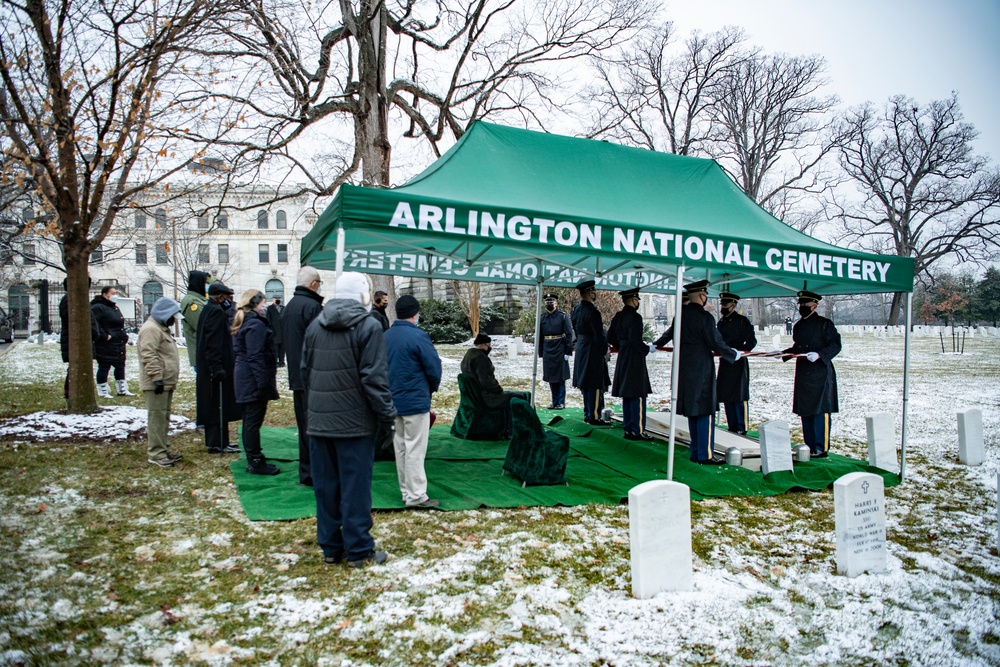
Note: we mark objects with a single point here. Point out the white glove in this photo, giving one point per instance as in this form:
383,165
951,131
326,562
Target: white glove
739,355
652,348
776,352
565,357
812,356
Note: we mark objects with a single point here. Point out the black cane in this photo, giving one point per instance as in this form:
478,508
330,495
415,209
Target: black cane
224,433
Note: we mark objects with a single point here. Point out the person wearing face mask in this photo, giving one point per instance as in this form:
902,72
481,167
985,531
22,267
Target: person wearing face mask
476,364
414,374
255,375
696,400
110,340
732,384
815,394
631,381
216,396
555,349
159,370
590,364
379,306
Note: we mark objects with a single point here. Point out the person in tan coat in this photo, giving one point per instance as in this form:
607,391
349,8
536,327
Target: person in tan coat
159,370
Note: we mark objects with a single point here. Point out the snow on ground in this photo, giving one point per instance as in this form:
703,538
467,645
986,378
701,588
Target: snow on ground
119,422
759,600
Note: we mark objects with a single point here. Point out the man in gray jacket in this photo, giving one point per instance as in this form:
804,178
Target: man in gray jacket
347,395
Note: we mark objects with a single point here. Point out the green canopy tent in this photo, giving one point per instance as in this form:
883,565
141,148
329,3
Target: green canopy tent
516,206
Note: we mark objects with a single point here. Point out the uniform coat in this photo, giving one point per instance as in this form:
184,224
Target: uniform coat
555,368
255,364
699,339
631,376
590,369
733,382
215,353
109,326
815,381
192,306
296,317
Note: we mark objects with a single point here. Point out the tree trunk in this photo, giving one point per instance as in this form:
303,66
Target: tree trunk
82,390
897,306
759,313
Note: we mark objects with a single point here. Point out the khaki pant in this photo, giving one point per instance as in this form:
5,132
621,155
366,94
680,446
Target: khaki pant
410,443
158,407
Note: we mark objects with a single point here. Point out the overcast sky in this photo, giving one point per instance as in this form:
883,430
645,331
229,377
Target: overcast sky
878,48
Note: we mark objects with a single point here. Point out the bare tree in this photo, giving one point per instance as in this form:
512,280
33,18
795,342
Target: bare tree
660,99
86,123
467,294
925,194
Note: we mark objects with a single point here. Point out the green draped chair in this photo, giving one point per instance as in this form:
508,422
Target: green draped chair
475,421
535,456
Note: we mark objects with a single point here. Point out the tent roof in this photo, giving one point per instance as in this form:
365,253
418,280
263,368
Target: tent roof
504,204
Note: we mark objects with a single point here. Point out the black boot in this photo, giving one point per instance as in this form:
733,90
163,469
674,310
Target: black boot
258,465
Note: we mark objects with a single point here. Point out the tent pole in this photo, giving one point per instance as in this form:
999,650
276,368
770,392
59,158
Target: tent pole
340,257
538,331
675,373
906,381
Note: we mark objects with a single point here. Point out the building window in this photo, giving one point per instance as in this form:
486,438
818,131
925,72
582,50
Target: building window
6,258
282,253
202,222
261,219
97,257
203,253
223,253
27,215
263,254
29,254
222,221
140,220
140,253
161,254
280,220
160,218
274,288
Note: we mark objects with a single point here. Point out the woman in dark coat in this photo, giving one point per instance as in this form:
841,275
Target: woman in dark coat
255,375
109,341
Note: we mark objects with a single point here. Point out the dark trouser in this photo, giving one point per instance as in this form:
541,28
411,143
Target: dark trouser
103,368
558,392
816,433
216,436
342,482
634,415
702,430
299,401
279,349
593,403
737,415
253,418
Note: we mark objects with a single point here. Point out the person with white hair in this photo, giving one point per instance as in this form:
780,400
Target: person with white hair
306,303
159,370
344,369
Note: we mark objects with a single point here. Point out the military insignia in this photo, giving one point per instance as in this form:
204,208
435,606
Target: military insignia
194,306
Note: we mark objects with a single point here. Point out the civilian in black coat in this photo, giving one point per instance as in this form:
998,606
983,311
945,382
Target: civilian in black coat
255,375
274,319
110,339
216,396
305,304
733,382
631,382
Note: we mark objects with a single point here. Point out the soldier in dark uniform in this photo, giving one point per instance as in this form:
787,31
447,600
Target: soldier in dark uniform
815,394
696,390
733,383
631,381
555,348
590,365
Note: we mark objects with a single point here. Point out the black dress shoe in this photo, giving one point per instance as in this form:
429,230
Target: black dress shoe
551,406
643,436
597,422
714,461
559,407
821,455
631,436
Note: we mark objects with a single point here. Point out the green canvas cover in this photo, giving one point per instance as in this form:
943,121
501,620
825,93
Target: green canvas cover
507,205
535,455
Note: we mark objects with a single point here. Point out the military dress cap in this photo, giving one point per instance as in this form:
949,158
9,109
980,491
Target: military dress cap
551,296
805,296
586,285
218,288
700,286
728,296
629,293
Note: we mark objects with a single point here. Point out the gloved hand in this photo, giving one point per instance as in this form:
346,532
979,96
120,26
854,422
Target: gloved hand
775,352
158,387
812,356
739,355
565,357
219,375
652,348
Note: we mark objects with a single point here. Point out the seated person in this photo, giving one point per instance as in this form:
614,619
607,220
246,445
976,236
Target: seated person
477,364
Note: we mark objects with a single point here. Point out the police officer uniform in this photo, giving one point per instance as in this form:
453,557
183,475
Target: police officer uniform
631,382
555,348
590,366
815,396
733,381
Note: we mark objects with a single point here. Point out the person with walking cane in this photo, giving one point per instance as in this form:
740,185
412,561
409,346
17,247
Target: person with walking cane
216,395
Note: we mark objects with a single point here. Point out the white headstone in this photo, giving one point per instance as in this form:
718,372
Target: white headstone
519,344
775,447
511,350
776,343
882,441
659,515
881,334
859,513
970,437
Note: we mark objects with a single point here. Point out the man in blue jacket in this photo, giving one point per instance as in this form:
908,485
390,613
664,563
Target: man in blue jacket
414,374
